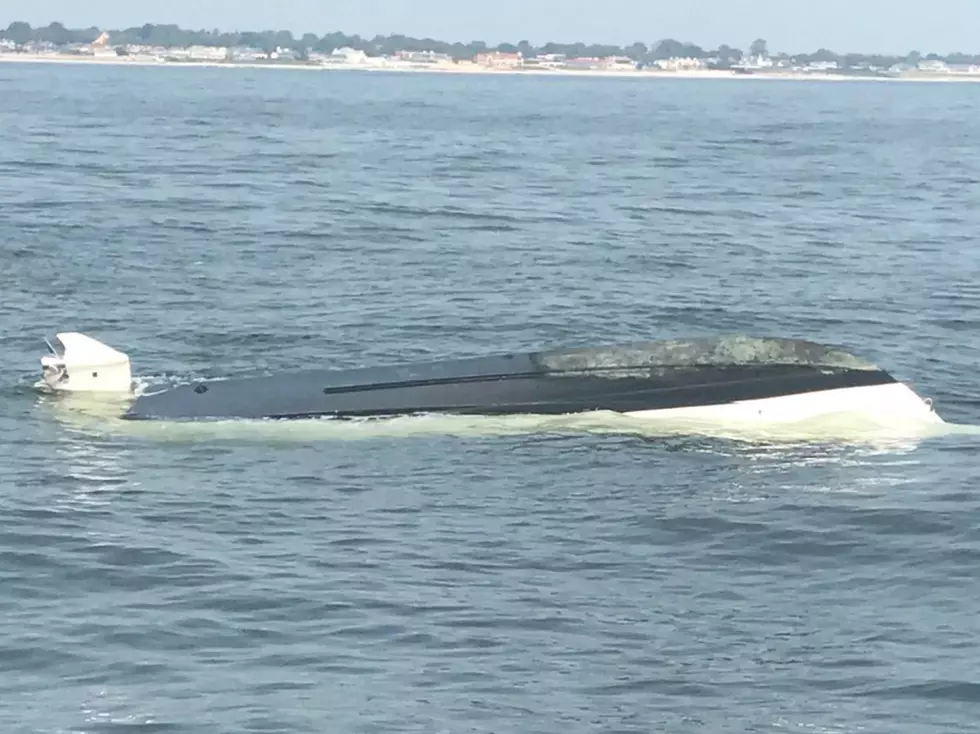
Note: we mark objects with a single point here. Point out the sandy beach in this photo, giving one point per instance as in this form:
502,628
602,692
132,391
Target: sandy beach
475,69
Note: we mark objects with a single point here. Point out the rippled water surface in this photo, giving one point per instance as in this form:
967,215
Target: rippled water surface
448,575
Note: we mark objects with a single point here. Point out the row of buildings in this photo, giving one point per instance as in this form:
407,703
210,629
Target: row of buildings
102,47
351,57
930,66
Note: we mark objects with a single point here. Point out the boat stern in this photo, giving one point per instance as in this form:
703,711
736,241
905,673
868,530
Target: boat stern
84,364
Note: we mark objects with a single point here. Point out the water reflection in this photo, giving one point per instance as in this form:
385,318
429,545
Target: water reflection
86,458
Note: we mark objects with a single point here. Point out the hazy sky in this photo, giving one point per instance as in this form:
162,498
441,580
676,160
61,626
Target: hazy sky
842,25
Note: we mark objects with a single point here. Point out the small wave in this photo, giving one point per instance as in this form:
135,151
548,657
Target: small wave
938,690
449,212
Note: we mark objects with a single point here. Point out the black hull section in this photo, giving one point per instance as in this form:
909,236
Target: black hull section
651,376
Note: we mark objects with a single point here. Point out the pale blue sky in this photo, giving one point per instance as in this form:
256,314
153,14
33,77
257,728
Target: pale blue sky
890,26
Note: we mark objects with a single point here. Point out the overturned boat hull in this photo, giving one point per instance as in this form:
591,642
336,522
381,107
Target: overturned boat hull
734,378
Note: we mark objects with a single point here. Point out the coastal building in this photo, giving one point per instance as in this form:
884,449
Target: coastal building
545,61
499,59
933,66
78,49
103,51
423,57
755,62
582,63
245,54
344,55
284,54
901,68
621,63
199,53
936,66
680,64
156,53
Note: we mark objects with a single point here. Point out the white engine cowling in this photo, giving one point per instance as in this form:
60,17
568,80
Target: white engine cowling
86,365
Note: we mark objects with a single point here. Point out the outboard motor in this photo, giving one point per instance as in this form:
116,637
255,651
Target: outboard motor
85,365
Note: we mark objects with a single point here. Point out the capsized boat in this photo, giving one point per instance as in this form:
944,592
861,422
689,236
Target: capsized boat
730,378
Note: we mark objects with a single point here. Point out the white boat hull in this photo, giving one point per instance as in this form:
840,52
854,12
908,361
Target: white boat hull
881,403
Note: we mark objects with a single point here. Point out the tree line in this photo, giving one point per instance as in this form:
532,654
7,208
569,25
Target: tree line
173,36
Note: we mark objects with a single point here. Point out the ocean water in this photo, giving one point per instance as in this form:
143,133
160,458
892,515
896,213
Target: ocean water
507,575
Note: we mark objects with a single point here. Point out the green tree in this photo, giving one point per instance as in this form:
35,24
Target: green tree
670,48
637,51
56,34
728,55
19,32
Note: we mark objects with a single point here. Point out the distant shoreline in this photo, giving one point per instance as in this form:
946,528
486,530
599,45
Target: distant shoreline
474,69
